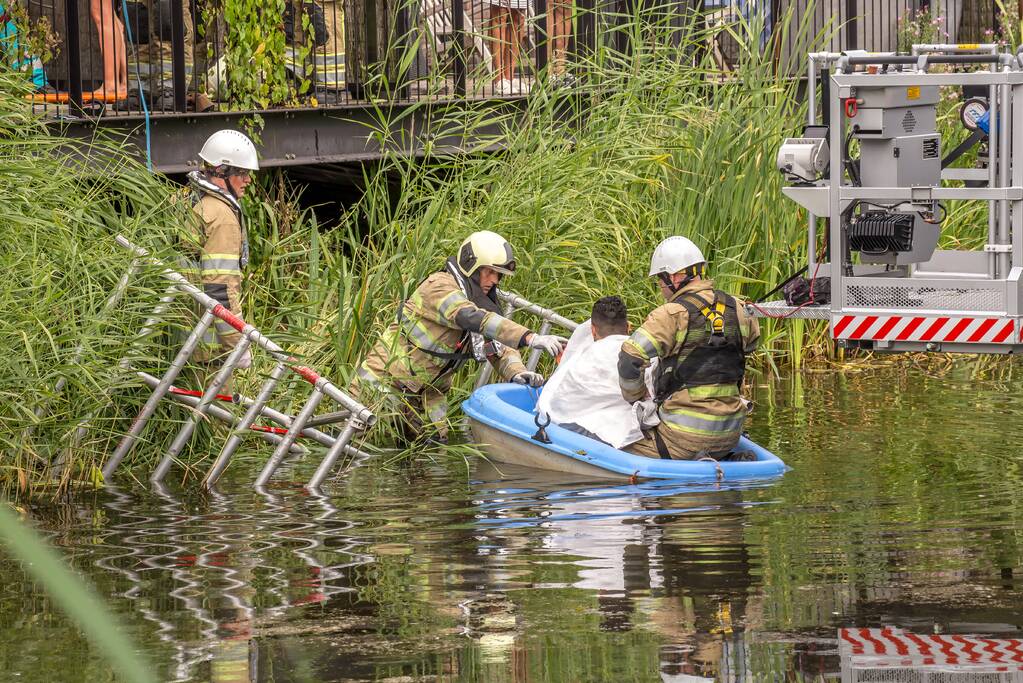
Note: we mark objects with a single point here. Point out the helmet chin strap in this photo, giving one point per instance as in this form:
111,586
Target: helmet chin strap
230,189
225,175
691,273
666,280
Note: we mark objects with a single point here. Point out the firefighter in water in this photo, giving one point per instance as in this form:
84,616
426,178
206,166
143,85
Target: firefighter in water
219,247
702,337
452,318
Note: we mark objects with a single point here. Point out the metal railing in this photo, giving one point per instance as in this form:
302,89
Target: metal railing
870,25
354,416
165,57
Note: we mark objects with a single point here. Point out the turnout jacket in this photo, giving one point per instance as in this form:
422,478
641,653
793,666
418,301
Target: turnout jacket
708,417
219,251
430,340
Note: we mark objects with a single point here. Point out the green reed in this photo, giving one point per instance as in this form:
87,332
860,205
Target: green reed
74,597
60,264
647,144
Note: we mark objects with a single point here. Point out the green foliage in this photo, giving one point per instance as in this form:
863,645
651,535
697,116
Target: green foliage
255,54
60,266
649,144
35,37
72,596
1010,28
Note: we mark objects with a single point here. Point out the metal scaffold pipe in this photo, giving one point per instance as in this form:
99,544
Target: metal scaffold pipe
994,152
513,302
534,355
519,303
287,420
158,394
953,48
1004,131
218,412
235,440
185,433
147,328
327,464
293,431
321,383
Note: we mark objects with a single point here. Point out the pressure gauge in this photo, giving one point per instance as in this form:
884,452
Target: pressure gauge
971,111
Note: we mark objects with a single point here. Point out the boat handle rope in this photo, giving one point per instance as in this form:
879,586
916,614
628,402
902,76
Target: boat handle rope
717,467
541,432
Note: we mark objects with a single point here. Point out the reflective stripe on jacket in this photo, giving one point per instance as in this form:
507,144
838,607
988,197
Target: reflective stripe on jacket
214,261
436,319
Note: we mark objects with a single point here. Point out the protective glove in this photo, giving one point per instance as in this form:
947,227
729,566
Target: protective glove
533,379
646,414
551,343
245,361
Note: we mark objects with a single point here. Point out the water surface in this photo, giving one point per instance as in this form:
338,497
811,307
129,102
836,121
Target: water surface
902,510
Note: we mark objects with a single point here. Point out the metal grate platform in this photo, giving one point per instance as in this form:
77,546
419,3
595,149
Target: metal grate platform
780,309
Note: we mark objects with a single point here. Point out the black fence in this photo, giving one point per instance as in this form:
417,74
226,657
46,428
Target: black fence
129,57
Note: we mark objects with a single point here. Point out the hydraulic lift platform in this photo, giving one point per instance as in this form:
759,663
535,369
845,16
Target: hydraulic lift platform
876,179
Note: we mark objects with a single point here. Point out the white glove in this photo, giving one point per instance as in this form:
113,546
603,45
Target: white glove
646,414
533,379
245,361
551,343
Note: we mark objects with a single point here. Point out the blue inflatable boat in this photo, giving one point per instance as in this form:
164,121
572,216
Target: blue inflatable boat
501,420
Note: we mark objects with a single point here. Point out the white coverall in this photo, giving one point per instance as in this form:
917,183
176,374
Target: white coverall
584,389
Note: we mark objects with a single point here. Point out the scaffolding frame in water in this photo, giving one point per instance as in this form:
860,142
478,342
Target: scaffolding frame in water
355,417
512,303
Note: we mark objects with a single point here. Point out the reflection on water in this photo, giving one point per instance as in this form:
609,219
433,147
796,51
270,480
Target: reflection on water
902,511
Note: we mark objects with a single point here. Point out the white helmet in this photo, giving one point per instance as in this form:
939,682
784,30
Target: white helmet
674,255
485,248
230,148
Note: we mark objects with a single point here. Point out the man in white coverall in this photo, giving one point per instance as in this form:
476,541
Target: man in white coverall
583,393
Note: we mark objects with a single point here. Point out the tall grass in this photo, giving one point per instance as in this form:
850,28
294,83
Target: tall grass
591,180
649,144
59,265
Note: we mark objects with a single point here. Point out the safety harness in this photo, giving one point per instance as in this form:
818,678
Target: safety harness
711,351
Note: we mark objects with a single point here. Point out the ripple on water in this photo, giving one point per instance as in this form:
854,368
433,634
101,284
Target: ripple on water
902,510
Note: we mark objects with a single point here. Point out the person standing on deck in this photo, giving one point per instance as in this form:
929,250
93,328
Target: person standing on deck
506,27
452,318
220,247
702,337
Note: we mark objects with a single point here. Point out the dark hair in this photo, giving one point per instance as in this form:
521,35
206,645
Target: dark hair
610,315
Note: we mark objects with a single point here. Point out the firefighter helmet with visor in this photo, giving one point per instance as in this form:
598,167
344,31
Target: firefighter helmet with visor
485,248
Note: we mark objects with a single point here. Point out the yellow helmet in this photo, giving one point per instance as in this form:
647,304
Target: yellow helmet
485,248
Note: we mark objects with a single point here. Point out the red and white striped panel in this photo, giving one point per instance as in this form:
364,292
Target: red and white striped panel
973,330
892,647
